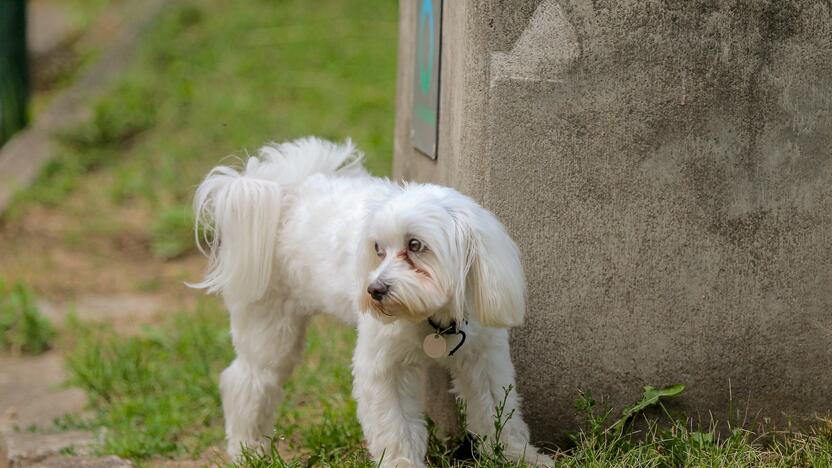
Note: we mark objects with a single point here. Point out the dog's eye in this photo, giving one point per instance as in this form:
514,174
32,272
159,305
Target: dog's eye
415,245
379,252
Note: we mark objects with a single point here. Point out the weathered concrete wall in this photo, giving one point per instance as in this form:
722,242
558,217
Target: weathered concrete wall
666,168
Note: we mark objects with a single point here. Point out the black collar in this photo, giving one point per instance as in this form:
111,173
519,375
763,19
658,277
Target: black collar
451,329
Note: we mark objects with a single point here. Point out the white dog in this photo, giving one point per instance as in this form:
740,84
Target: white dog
424,272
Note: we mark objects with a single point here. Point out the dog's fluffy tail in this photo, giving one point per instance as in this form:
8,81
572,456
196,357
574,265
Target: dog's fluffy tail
238,211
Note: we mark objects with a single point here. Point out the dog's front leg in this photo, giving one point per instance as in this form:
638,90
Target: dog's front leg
484,378
388,390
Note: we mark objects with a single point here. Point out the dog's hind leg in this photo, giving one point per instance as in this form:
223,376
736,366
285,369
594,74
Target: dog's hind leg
268,337
483,377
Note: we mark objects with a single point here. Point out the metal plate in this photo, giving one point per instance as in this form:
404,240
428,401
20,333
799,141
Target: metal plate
428,44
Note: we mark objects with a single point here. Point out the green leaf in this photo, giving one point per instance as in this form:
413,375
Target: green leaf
702,438
651,397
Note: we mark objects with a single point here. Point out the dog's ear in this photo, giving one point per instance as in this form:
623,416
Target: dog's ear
494,286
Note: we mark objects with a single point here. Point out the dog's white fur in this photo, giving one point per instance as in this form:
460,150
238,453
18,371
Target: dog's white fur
294,233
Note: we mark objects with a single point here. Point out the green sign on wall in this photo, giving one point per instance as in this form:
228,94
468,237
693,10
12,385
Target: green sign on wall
424,121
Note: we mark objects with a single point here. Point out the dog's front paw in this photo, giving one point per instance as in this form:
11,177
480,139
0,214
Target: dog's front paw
401,462
539,459
529,455
236,447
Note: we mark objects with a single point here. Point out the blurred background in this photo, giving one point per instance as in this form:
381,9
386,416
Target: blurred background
112,111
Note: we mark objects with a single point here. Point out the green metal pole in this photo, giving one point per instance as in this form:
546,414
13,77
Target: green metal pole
14,68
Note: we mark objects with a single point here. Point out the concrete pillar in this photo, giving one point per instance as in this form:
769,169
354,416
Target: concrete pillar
666,168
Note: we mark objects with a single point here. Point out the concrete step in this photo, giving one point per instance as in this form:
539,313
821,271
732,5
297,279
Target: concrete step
31,397
111,461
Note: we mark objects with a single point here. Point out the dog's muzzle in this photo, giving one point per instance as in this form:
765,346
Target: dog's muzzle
378,290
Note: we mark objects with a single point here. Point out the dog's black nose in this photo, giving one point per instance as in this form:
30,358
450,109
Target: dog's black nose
378,290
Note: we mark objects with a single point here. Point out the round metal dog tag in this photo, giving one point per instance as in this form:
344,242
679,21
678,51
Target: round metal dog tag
435,345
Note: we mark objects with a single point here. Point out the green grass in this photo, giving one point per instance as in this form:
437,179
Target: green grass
172,232
156,394
671,441
78,48
23,330
95,144
216,78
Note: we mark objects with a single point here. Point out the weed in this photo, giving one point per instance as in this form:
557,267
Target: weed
492,450
68,451
651,397
22,327
124,113
679,442
172,232
272,458
586,406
